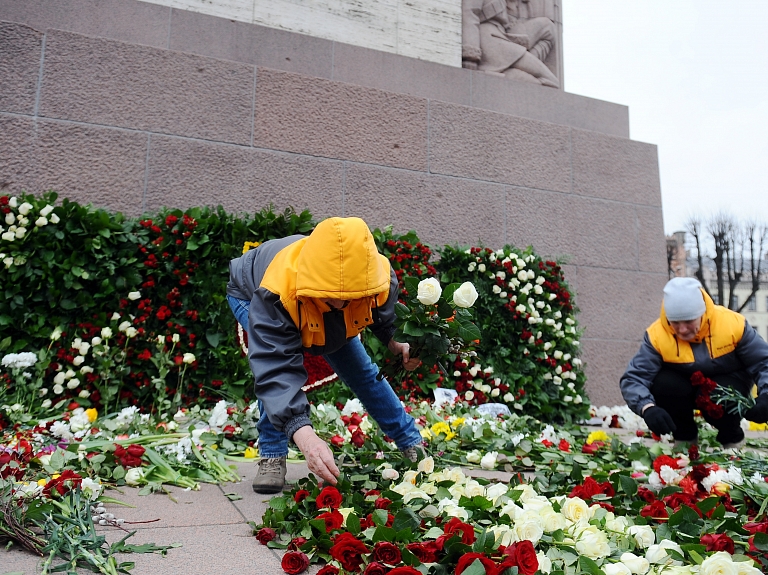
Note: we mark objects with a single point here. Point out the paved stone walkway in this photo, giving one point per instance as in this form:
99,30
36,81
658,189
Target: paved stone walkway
213,530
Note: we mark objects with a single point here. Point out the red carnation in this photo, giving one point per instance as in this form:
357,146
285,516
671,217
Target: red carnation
663,460
718,542
294,562
265,535
348,550
329,497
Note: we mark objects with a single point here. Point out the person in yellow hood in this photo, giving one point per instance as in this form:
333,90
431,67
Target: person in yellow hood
317,293
693,334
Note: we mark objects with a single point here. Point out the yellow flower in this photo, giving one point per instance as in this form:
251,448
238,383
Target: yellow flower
248,245
440,427
55,475
597,436
92,414
758,426
250,453
458,421
214,446
425,433
450,435
41,482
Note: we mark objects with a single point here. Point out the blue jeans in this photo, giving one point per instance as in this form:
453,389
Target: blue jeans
355,368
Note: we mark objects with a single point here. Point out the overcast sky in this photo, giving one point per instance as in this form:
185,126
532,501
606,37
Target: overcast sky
694,74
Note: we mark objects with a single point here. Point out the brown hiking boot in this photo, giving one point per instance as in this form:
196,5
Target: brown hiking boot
270,478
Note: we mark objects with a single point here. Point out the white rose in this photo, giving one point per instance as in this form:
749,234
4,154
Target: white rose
488,460
189,358
616,569
545,563
552,520
593,543
13,202
474,456
41,221
175,338
658,553
20,232
529,528
124,325
46,403
8,236
10,218
747,568
60,378
575,509
481,268
426,465
134,476
429,291
496,289
131,332
643,534
58,389
495,491
465,295
54,219
24,208
86,369
73,383
106,332
46,210
636,565
91,488
389,474
719,563
469,395
78,360
134,295
84,393
84,347
96,340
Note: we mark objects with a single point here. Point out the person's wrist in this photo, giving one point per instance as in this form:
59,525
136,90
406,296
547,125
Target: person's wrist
646,407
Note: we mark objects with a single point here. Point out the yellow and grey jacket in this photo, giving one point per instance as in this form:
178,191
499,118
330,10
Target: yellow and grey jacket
725,344
285,279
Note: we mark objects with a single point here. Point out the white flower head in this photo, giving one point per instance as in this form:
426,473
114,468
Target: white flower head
465,295
429,291
134,295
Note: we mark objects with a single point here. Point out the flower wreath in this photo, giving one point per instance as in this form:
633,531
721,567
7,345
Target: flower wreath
319,373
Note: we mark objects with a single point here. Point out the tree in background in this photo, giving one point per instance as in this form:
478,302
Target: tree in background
735,252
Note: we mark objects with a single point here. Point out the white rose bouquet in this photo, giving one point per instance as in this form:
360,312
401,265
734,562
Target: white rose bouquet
436,323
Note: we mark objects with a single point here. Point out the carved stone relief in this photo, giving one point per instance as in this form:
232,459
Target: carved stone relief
518,39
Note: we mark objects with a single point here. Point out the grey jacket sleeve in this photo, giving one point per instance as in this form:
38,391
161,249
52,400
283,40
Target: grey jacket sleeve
752,351
277,361
636,382
384,317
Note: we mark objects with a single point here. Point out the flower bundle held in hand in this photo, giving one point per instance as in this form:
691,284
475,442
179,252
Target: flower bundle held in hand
716,400
436,323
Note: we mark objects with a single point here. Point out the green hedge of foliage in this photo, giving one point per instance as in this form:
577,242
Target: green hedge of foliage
157,283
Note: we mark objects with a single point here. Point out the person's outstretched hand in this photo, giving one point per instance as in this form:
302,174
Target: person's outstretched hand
758,413
317,453
397,348
658,420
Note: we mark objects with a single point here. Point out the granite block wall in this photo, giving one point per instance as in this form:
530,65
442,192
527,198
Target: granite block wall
127,120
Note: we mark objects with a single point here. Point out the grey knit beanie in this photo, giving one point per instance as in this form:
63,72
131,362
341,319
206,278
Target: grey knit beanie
683,300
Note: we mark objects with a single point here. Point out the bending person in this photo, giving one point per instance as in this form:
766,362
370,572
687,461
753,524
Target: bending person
317,293
693,334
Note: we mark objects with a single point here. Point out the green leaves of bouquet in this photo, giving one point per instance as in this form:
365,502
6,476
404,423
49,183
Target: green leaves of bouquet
436,323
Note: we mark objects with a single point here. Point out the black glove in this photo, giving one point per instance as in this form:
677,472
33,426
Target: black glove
658,420
758,413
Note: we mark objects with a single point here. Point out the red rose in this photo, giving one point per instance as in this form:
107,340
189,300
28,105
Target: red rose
646,494
593,447
656,510
387,553
348,550
466,531
756,527
382,503
329,497
296,543
521,555
337,440
426,551
375,569
333,520
135,450
331,570
468,558
265,535
358,438
405,570
294,562
718,542
547,443
300,495
564,446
